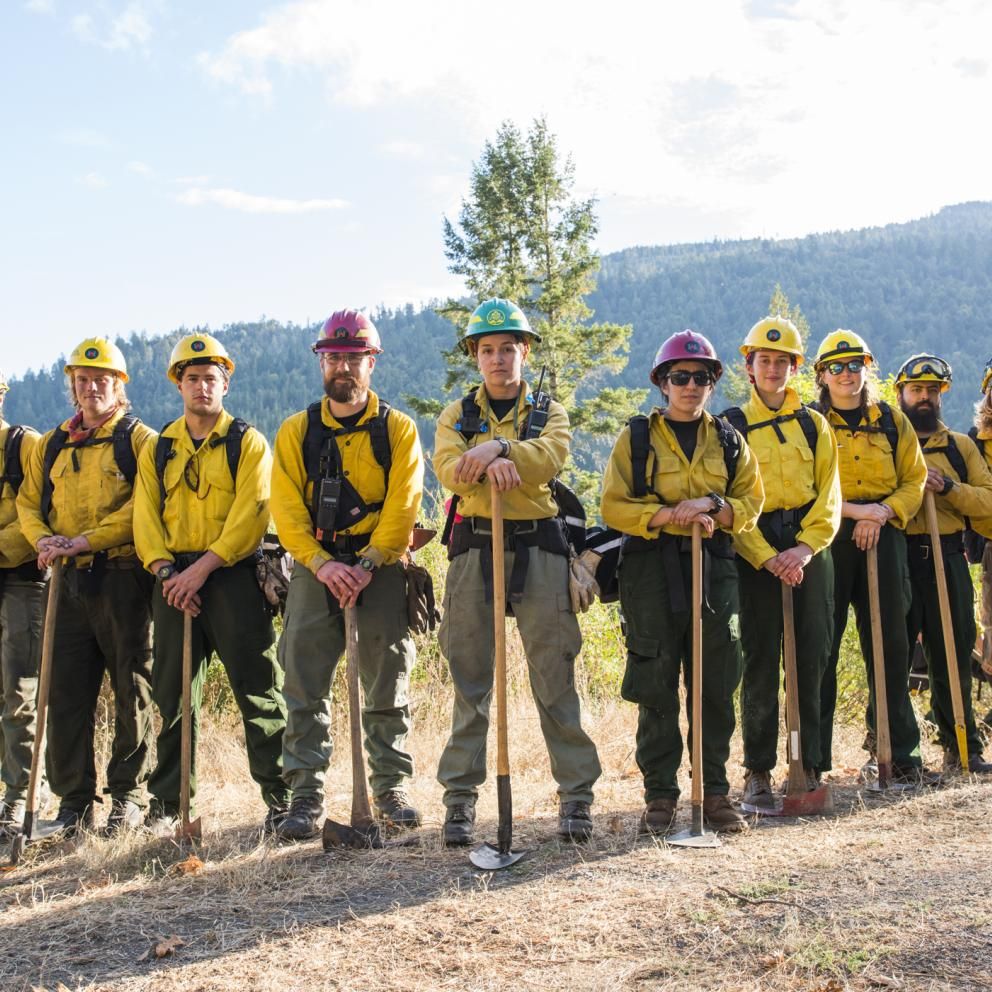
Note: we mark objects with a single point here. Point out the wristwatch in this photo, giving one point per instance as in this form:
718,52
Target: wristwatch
718,503
367,564
949,484
167,571
504,446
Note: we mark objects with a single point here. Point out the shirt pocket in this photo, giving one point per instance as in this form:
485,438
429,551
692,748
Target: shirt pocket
880,458
216,484
715,473
668,480
798,474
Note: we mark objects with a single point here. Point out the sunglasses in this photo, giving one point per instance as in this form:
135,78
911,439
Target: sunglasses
854,365
681,378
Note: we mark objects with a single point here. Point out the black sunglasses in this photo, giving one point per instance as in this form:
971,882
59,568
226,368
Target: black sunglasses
681,378
854,365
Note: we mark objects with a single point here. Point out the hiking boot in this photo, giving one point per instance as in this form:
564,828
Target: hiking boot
69,822
459,825
976,764
658,816
813,780
396,809
574,820
124,815
758,788
719,813
274,818
869,771
916,775
11,817
162,820
303,820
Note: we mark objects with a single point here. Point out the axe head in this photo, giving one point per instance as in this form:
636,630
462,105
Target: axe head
336,834
420,536
191,831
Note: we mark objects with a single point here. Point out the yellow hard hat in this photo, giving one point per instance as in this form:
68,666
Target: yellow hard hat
198,349
97,353
841,344
774,334
987,376
3,382
925,368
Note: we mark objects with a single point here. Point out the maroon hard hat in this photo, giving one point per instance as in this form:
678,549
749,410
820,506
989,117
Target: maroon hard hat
686,346
348,330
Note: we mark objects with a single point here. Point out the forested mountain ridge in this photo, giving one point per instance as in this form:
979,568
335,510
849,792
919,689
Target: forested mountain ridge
920,286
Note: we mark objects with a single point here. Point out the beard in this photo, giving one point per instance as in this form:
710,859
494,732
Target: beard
344,390
922,417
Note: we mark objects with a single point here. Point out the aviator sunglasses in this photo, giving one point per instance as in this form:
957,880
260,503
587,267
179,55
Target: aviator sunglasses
681,378
854,365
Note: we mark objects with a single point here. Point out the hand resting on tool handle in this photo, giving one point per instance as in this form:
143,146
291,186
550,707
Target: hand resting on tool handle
870,517
788,565
344,581
60,546
686,513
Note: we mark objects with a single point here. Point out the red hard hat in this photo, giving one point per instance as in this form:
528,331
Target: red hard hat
348,330
686,346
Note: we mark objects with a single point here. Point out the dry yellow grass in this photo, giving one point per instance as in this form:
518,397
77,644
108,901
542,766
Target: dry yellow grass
887,893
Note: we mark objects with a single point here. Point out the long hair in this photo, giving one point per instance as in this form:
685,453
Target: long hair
120,393
869,392
983,412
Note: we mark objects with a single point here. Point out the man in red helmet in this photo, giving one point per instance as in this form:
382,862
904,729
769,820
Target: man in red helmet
347,481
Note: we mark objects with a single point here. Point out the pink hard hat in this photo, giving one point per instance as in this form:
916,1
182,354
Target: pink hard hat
348,330
686,346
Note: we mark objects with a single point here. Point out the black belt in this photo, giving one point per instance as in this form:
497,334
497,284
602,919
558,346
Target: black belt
345,547
674,548
779,527
920,546
183,559
519,536
26,572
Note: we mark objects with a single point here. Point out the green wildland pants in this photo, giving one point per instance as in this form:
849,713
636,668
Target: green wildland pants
21,608
851,588
659,650
233,622
102,624
761,640
924,617
311,647
551,641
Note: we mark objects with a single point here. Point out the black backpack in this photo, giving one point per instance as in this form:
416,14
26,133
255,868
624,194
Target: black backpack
120,438
164,451
735,415
13,471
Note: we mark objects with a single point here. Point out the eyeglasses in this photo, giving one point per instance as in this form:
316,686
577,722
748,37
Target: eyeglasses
681,378
191,473
854,365
338,358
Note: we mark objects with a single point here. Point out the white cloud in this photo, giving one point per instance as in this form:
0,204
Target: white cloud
790,116
40,6
232,199
130,27
191,180
93,180
140,168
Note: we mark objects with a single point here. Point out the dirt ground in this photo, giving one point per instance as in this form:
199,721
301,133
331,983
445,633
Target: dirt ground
888,892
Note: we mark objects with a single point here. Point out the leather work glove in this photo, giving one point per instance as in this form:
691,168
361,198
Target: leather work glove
582,585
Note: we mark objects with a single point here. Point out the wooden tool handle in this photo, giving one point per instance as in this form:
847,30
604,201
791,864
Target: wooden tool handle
697,676
499,634
883,741
361,809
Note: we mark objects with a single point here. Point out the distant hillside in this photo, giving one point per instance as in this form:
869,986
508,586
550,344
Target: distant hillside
925,285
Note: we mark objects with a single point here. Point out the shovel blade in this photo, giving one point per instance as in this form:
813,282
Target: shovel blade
819,800
689,838
490,858
335,835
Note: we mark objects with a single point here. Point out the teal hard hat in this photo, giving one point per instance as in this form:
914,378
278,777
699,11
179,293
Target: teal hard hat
497,316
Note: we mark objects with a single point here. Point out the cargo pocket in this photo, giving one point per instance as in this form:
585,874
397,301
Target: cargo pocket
642,679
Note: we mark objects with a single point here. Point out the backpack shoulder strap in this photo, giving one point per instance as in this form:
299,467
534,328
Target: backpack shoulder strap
640,448
956,459
889,429
470,422
379,437
13,471
808,425
232,441
163,452
731,442
56,442
737,419
127,463
979,441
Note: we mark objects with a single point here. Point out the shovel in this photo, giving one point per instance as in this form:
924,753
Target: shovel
31,831
486,856
798,800
883,742
186,831
363,831
697,835
950,654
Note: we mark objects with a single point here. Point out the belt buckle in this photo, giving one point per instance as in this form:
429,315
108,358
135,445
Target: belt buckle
925,551
476,528
531,528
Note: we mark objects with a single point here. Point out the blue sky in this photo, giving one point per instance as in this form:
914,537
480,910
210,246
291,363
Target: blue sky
167,162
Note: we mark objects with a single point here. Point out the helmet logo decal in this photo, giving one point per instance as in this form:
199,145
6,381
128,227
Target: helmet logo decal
197,345
692,347
341,332
843,344
92,353
496,317
774,334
